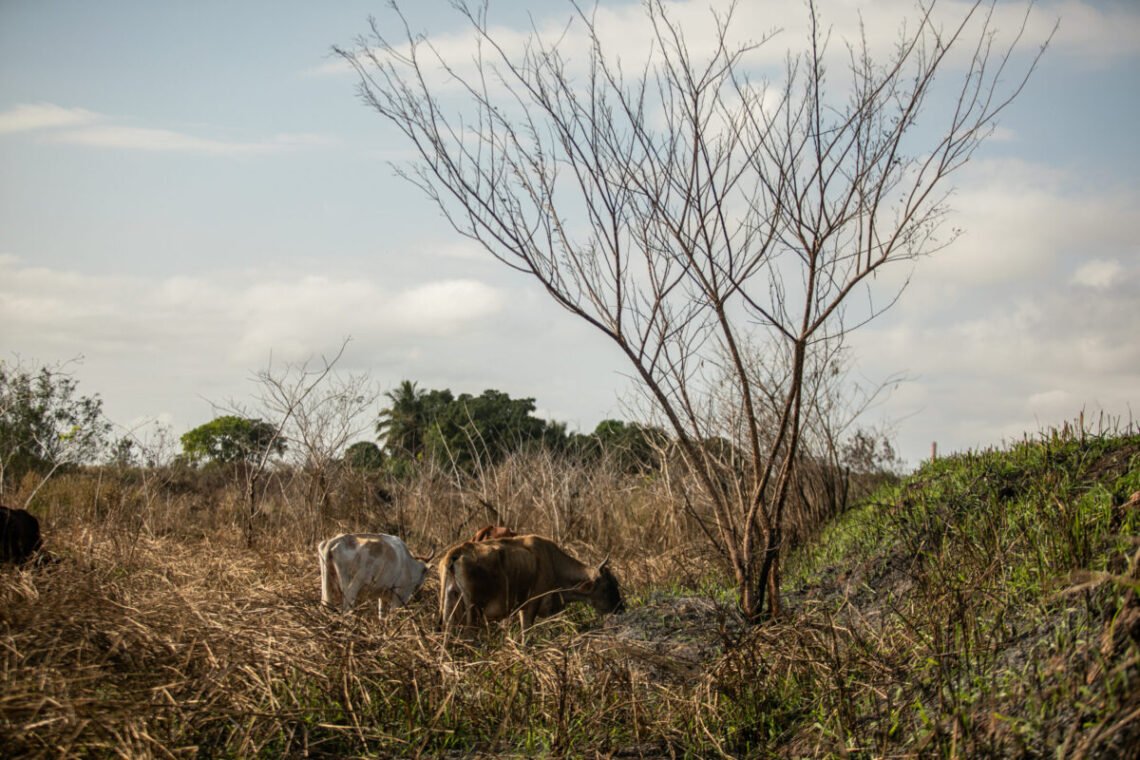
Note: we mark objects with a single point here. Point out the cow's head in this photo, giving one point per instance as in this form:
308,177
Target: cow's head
604,591
422,565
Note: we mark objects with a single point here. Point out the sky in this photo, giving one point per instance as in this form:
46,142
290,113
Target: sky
189,191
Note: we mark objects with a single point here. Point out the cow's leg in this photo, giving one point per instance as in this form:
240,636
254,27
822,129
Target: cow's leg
444,606
389,600
350,592
529,613
326,573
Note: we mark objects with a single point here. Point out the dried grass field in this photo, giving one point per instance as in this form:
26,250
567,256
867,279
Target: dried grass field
984,607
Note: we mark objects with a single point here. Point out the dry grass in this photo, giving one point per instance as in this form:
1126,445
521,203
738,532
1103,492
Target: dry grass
939,620
174,648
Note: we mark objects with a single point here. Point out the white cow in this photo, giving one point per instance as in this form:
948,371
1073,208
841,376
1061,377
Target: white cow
374,564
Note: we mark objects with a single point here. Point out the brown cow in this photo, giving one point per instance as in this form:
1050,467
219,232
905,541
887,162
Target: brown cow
19,535
490,580
488,532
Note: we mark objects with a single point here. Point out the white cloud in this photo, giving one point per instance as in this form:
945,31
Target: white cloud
1095,31
172,347
995,362
163,140
442,307
1098,274
1087,30
239,319
28,117
78,126
1019,219
1028,319
460,248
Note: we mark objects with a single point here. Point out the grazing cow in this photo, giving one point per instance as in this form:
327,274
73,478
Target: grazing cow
490,580
20,535
374,564
488,532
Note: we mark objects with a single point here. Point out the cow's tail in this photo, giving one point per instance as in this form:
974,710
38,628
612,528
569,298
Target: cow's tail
329,579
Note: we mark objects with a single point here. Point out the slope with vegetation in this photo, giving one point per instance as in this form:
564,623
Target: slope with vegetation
984,607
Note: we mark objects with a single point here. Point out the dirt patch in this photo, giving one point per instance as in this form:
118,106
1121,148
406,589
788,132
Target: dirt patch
673,639
1113,465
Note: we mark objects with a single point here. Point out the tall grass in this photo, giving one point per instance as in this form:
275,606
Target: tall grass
984,607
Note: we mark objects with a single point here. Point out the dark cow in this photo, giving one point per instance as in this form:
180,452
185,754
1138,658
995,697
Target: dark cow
21,535
490,580
487,532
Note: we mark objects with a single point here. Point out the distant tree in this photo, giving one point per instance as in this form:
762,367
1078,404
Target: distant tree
313,409
870,452
462,432
231,438
319,410
404,423
364,456
124,452
482,429
629,445
45,424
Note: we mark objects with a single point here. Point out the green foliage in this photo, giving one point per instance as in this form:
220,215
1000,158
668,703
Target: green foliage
404,423
469,431
485,428
231,438
632,447
364,456
462,431
45,424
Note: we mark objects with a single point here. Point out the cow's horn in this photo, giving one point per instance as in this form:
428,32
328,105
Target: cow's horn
604,563
428,558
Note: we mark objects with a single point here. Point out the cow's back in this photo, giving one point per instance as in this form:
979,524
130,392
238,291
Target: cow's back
382,558
556,567
488,532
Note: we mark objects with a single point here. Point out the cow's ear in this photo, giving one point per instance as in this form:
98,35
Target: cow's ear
587,587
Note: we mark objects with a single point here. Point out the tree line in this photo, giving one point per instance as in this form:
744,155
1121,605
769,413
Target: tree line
461,433
47,425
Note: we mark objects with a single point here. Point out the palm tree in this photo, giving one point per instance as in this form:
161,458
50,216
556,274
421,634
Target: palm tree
403,424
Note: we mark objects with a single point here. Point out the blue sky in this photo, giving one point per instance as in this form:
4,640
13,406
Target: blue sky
185,188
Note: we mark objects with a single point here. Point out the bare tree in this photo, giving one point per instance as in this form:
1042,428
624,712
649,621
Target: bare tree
691,214
304,417
320,413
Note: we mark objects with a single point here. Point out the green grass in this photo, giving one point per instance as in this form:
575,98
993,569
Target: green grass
974,605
